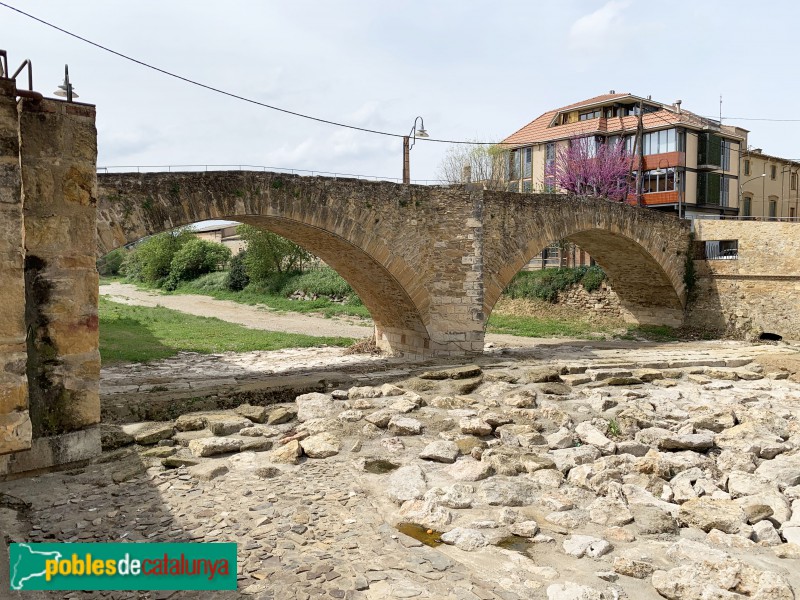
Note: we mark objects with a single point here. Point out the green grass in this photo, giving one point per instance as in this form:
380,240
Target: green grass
140,334
538,327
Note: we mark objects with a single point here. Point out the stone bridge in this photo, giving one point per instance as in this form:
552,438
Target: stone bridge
429,262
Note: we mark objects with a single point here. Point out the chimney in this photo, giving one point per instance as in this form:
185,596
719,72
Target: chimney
466,174
611,92
677,105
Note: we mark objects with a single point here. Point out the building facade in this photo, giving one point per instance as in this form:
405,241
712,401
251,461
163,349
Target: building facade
769,188
690,164
225,234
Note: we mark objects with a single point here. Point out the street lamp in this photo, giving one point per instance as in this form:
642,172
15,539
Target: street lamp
741,188
66,90
408,144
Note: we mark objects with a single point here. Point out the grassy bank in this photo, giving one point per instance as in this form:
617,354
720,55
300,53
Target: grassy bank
140,334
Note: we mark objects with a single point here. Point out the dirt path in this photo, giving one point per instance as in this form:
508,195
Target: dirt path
254,317
262,317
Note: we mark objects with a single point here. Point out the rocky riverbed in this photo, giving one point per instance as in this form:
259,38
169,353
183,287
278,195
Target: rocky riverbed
567,473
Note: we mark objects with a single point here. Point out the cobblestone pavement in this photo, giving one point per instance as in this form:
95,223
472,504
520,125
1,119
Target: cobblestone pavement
589,471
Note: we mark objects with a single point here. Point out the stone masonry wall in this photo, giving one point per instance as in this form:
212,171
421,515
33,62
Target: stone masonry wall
15,423
603,301
58,154
758,292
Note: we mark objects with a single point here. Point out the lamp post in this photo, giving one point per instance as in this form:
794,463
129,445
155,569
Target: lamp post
408,144
65,90
741,188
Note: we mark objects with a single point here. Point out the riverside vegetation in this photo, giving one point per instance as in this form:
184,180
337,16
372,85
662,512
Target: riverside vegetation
276,273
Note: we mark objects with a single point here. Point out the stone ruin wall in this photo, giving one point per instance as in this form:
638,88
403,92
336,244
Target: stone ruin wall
602,302
756,293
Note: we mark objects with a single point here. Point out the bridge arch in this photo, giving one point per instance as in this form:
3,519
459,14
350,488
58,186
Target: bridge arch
350,236
642,252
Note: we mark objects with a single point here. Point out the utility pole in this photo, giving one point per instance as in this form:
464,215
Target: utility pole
640,142
406,161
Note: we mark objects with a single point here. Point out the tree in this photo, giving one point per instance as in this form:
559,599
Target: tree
111,263
151,259
269,253
586,168
196,257
479,164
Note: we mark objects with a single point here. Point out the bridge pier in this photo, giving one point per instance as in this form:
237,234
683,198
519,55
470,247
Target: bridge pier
54,372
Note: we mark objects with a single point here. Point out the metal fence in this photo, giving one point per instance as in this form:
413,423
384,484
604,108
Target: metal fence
301,172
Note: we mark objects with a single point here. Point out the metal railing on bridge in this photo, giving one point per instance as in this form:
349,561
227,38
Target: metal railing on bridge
301,172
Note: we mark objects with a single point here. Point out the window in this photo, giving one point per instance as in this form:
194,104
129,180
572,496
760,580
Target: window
725,150
709,188
660,180
724,190
526,162
794,181
773,172
513,164
773,206
549,153
592,114
659,142
747,166
791,212
747,206
721,250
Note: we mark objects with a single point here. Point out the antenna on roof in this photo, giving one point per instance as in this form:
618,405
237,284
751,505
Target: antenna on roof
720,109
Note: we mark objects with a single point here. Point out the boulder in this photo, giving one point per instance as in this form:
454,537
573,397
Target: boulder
321,445
212,446
440,451
406,483
710,513
404,426
256,414
288,453
465,539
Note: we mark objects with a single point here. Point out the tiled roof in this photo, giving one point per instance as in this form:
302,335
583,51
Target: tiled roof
539,130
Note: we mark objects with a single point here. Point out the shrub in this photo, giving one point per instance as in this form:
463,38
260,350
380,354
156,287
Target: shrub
269,253
151,259
546,284
237,278
322,281
196,257
593,277
111,263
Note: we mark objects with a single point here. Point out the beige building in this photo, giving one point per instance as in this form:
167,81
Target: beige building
769,188
690,166
225,234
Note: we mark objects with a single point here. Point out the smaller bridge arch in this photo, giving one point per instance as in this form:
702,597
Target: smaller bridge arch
643,252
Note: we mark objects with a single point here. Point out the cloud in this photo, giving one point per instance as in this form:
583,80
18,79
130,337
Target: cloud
605,29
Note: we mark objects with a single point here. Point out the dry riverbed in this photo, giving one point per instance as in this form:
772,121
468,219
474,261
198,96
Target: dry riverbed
566,470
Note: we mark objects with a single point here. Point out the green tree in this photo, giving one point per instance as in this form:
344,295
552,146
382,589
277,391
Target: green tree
196,257
237,278
269,253
111,263
151,260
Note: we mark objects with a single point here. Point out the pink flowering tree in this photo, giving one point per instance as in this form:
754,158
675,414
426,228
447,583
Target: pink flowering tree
586,168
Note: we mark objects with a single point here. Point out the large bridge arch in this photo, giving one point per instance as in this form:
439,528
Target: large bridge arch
643,252
379,236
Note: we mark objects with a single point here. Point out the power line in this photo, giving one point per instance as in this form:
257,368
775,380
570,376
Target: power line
291,112
231,94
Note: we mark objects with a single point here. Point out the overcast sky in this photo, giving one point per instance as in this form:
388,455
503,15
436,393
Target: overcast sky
470,69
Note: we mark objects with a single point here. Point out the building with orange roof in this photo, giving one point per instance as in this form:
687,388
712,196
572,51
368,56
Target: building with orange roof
690,166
